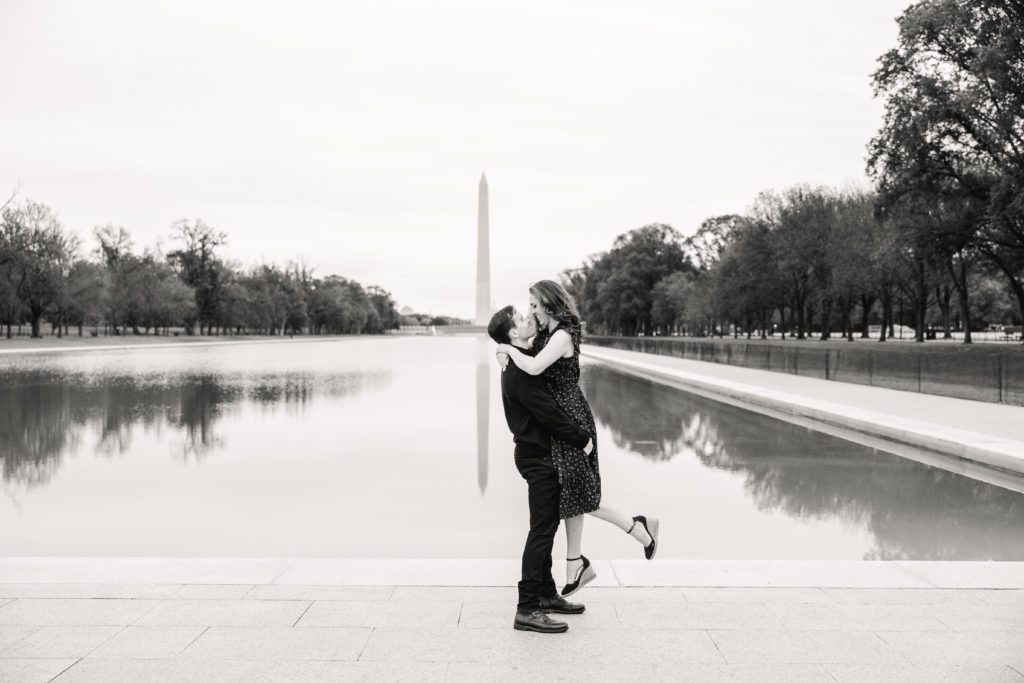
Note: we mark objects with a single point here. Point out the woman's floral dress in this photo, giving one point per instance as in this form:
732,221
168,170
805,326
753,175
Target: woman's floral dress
578,472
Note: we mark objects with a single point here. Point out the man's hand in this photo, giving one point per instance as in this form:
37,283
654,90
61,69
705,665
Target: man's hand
588,450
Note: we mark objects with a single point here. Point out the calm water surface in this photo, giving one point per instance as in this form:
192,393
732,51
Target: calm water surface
397,447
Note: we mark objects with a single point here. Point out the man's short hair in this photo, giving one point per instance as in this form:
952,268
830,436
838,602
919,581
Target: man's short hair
501,323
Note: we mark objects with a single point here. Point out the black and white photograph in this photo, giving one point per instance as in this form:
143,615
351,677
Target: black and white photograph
469,342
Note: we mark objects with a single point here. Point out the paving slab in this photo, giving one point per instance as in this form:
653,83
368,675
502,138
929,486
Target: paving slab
139,570
698,615
640,672
74,612
910,673
766,573
60,642
148,642
247,671
968,574
902,596
32,670
621,594
419,615
804,647
212,592
987,618
225,613
277,643
956,648
87,590
298,592
415,572
997,596
508,645
12,634
500,615
853,617
785,596
506,594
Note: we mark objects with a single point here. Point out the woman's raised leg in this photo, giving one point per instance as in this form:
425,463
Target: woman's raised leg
613,516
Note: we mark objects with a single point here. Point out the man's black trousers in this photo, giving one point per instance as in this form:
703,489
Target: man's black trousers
537,469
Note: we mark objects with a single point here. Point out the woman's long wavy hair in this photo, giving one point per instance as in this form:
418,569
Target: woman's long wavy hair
557,303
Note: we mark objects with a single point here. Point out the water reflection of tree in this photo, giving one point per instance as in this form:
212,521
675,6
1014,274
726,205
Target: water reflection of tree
635,424
32,436
43,414
912,511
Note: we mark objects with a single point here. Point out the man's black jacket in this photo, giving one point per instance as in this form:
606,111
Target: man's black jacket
532,414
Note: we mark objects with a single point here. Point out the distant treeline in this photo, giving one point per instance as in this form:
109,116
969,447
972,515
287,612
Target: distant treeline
429,319
45,276
937,242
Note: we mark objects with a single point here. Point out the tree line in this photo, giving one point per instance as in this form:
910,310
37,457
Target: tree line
45,276
935,243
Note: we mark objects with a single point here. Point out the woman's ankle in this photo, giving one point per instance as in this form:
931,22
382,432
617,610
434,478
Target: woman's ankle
640,534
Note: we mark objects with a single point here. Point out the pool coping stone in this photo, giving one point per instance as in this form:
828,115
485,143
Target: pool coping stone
470,573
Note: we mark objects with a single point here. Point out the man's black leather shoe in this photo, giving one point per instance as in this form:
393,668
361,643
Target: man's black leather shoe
560,605
538,621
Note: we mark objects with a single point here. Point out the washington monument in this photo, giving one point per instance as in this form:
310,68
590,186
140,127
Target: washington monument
483,257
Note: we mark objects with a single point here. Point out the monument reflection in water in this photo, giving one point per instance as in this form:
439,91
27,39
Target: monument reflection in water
484,370
366,448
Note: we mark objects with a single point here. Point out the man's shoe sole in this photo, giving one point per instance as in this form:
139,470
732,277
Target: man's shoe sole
523,627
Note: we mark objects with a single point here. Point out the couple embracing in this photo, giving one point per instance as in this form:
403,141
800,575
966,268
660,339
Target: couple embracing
555,450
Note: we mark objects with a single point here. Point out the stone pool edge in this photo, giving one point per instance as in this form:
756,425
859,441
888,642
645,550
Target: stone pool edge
615,573
996,453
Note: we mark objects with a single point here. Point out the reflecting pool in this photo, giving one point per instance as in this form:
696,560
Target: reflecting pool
397,447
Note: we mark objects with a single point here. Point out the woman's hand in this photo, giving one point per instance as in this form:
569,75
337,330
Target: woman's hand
502,357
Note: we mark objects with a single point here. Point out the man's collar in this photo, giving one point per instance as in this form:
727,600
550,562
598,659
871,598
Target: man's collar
528,349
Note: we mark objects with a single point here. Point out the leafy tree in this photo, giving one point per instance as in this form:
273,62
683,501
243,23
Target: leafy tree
41,258
849,252
617,293
669,301
198,265
954,122
115,250
384,306
749,276
800,220
88,294
705,247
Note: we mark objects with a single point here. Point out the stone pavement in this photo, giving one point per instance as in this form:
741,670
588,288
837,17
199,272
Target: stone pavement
450,620
986,436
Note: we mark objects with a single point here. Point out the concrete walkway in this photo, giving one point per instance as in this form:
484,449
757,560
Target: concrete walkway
965,432
449,620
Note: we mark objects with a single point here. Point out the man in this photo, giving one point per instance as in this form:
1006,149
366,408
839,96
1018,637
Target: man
533,418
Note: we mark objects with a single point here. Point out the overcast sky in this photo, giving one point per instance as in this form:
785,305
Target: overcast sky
353,134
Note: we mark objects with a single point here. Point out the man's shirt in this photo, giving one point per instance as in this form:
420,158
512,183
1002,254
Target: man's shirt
533,416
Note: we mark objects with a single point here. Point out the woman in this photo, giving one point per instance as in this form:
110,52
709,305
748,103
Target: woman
557,358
